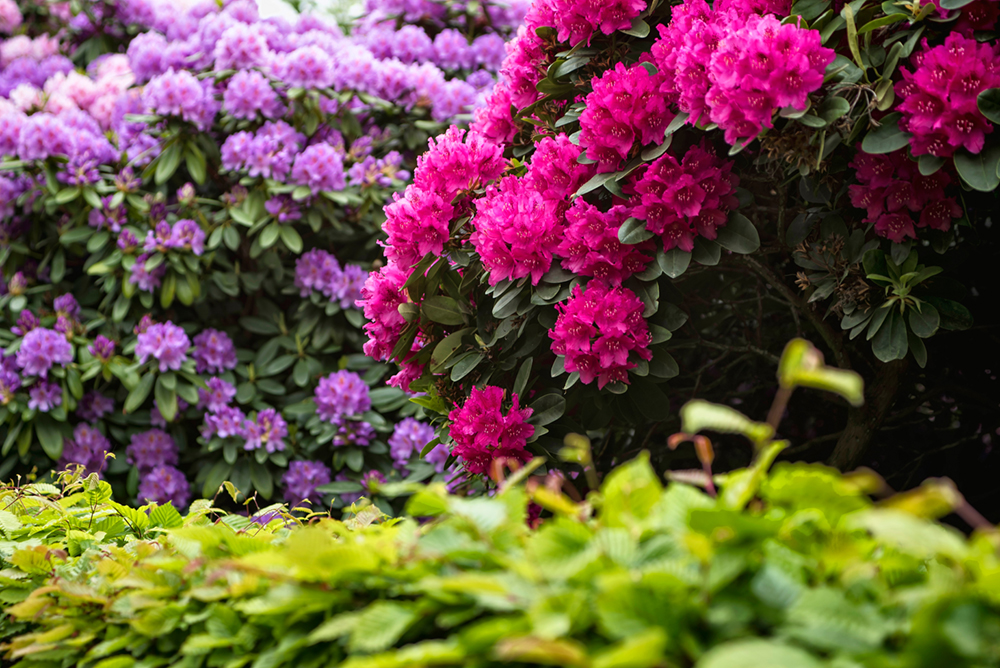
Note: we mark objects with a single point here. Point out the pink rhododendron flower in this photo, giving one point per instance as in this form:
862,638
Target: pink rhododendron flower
591,246
483,433
597,331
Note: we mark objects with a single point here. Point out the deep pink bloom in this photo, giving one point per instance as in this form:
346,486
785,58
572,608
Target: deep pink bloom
380,298
591,247
483,433
601,332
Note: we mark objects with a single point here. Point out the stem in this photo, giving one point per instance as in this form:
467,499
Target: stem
778,407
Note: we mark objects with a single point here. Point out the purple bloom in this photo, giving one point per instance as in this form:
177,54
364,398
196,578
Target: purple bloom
241,46
145,322
306,67
225,422
188,234
268,431
64,325
352,432
145,54
10,381
128,243
438,456
217,396
167,343
452,50
42,136
214,351
410,436
26,322
181,94
94,406
150,449
40,349
315,270
165,484
146,280
346,287
302,479
44,396
341,394
88,447
113,218
489,51
248,94
321,167
102,348
283,208
372,480
66,305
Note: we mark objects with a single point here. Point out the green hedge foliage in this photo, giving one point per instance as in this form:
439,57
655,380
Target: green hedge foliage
790,566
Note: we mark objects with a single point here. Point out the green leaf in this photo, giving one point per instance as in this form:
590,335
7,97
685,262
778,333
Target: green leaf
443,310
261,478
633,231
981,172
465,365
137,396
989,104
674,262
757,653
166,400
269,235
801,365
887,137
926,321
49,436
698,415
290,237
77,235
381,625
195,160
739,235
165,516
629,493
547,409
890,341
638,29
168,289
167,163
523,373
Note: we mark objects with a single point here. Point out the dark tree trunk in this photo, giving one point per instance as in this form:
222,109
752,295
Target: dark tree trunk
864,422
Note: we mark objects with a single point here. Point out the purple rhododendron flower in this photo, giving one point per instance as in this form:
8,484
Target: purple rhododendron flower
410,435
102,348
88,447
94,406
214,351
302,479
165,484
150,449
44,396
341,394
218,395
40,349
165,342
268,431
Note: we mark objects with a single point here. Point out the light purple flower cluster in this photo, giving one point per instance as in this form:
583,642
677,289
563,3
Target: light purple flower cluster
165,484
226,422
182,235
179,93
249,93
214,351
340,395
320,167
353,432
44,396
302,479
373,171
268,153
88,448
319,270
218,395
268,431
150,449
94,406
146,280
10,380
410,435
165,342
102,348
40,349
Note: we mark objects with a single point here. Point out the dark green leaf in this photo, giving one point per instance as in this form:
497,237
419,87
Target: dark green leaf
890,342
982,171
633,231
49,436
137,396
989,104
443,310
887,137
674,262
926,321
739,235
547,409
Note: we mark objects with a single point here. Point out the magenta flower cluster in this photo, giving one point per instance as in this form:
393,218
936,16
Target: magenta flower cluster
601,333
898,198
938,98
483,433
166,343
737,67
683,200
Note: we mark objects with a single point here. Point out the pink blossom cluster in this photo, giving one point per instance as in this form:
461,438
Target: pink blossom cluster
591,247
517,231
381,297
576,21
10,16
737,67
938,98
624,107
179,93
483,433
977,16
898,198
598,330
683,200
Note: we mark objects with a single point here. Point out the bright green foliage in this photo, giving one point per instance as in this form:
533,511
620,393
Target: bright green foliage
794,567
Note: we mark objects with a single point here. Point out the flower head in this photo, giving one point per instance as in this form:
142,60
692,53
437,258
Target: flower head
88,448
165,484
409,436
341,395
40,349
483,433
150,449
268,431
165,342
214,351
302,479
44,396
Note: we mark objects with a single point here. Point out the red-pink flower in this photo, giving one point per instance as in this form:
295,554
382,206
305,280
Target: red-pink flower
517,231
456,161
577,20
591,247
554,171
417,223
483,433
381,297
939,97
598,330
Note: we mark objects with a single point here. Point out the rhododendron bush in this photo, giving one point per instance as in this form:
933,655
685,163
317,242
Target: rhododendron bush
623,223
190,203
